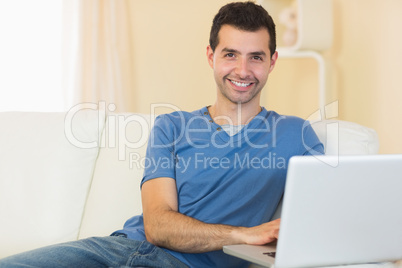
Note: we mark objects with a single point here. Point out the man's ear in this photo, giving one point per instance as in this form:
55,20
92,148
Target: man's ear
210,56
273,61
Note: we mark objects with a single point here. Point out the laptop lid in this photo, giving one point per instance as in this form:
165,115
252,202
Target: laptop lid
341,210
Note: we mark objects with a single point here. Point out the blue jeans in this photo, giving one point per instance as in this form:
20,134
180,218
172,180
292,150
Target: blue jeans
112,251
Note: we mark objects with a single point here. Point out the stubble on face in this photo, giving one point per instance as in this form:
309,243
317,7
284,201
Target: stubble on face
241,76
243,97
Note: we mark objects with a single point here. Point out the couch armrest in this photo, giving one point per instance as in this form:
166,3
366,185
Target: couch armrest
44,176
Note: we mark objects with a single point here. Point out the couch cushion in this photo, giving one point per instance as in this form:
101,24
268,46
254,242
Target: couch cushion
44,178
115,192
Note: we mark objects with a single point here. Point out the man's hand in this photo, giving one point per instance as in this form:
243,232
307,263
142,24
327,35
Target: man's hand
261,234
166,227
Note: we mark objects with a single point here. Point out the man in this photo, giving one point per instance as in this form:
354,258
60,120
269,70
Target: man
223,170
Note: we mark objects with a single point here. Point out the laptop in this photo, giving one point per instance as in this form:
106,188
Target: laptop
336,210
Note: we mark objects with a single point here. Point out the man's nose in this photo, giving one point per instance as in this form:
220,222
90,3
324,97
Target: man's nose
243,68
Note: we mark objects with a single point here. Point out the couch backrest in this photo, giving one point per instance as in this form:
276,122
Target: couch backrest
346,138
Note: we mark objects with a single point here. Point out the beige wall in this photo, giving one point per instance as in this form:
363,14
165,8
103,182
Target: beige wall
170,39
367,53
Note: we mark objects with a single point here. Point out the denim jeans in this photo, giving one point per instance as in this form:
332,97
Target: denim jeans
112,251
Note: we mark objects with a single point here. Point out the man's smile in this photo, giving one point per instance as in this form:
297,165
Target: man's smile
242,85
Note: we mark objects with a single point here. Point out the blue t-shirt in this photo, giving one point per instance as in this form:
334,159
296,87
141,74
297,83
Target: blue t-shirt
236,180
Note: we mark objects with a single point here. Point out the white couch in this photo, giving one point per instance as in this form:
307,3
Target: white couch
65,176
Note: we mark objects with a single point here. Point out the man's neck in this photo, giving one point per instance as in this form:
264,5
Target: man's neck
234,114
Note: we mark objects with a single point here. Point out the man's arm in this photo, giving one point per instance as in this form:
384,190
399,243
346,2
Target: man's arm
166,227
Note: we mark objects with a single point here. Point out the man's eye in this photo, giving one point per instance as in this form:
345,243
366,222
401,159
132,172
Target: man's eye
257,58
230,55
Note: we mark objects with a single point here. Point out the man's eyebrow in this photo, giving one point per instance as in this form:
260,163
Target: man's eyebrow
230,50
255,53
258,53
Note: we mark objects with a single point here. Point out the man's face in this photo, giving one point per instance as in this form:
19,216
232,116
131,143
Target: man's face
241,63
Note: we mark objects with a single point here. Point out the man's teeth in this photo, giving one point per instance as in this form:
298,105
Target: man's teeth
239,84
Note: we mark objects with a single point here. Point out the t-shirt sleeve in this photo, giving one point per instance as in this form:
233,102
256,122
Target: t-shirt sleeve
311,142
160,157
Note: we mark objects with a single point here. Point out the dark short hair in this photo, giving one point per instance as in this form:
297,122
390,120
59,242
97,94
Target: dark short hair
245,16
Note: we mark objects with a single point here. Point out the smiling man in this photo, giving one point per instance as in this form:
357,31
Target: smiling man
224,166
241,62
235,153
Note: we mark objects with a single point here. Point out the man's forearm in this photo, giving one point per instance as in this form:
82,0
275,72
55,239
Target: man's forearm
166,227
173,230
